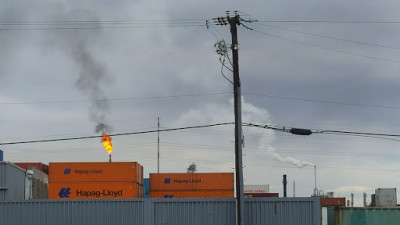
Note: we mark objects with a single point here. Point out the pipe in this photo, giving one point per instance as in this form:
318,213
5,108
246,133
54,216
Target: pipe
284,186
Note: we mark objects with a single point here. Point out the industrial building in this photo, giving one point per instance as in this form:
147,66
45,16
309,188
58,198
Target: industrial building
12,182
18,184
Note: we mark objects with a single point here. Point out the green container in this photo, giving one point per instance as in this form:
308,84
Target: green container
367,216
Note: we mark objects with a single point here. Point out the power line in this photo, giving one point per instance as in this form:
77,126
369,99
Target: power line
130,24
327,48
97,24
298,131
118,134
115,99
333,38
305,131
324,101
204,94
331,21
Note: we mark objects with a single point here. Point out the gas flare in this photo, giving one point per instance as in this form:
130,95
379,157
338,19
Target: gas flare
106,139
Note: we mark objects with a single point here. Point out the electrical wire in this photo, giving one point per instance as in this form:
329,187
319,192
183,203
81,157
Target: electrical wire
333,38
97,24
356,133
323,101
119,134
217,37
115,99
327,48
222,69
330,21
204,94
276,128
304,131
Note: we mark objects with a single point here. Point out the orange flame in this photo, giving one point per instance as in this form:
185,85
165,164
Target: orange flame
106,139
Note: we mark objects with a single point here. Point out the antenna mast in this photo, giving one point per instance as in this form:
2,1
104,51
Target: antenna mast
315,181
158,145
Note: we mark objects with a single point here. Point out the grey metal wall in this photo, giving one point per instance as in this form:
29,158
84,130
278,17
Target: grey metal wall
71,212
12,182
194,211
289,211
283,211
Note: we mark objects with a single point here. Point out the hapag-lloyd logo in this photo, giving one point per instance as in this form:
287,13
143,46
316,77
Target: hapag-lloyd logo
182,181
68,171
97,194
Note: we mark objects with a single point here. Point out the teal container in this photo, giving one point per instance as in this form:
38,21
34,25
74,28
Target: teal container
331,215
367,216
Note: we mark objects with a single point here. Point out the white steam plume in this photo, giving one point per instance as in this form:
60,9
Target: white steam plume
215,113
271,151
265,146
258,115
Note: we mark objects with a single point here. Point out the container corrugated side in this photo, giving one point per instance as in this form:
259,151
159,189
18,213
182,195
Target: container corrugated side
191,181
366,216
95,190
193,194
140,174
96,171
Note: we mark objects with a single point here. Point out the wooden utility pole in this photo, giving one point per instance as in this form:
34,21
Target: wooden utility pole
237,97
234,22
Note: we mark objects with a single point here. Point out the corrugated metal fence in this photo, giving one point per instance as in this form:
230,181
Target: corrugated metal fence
283,211
273,211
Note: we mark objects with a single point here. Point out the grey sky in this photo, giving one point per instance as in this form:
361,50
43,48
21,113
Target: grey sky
292,75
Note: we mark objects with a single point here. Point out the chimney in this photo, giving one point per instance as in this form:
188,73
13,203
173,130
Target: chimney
284,186
365,199
352,200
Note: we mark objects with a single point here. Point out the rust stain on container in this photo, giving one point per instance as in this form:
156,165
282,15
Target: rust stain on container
191,181
95,171
95,190
192,194
333,201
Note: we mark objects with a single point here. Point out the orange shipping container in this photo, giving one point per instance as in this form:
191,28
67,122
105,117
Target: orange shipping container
192,194
191,181
95,190
96,171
